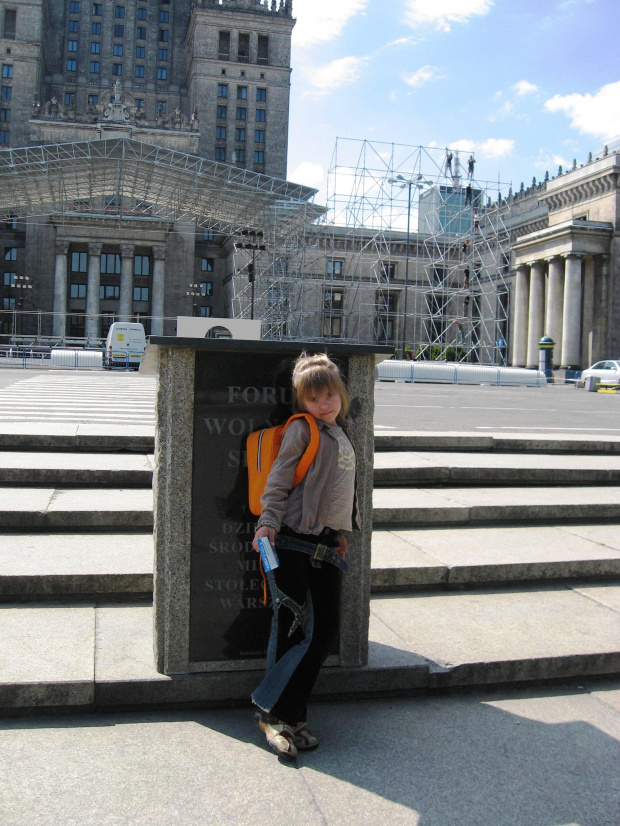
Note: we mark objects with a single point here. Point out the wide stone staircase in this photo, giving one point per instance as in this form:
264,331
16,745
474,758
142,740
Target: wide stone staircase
495,560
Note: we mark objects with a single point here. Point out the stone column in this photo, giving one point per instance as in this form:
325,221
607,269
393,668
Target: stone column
93,322
555,306
59,326
587,327
126,302
535,327
606,309
571,341
519,337
157,290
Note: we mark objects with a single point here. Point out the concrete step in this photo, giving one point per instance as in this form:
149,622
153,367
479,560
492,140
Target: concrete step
475,505
56,436
56,469
86,657
437,468
471,557
496,442
76,566
90,508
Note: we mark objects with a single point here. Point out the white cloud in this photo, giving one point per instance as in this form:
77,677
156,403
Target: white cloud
506,109
442,13
524,87
402,41
321,20
309,174
496,147
423,76
322,79
597,114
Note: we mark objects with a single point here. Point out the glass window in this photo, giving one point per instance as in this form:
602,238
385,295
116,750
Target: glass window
69,98
334,267
95,47
162,73
117,69
93,100
141,265
94,67
5,136
79,262
164,16
97,9
119,30
72,46
208,235
72,65
220,153
117,50
222,90
7,70
242,92
10,253
207,264
241,113
261,95
139,103
206,312
74,7
139,70
9,279
162,106
163,35
109,291
142,14
333,299
220,133
140,293
259,157
221,112
110,262
259,136
7,93
8,303
95,28
239,134
260,115
77,291
243,50
141,33
239,155
262,53
162,54
206,288
119,11
5,115
141,52
74,25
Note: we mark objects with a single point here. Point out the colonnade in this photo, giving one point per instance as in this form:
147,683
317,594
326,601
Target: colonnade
93,320
553,297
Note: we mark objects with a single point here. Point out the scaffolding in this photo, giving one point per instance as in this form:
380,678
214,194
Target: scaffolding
413,252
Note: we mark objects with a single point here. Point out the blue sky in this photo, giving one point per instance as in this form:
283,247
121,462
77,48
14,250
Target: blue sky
526,84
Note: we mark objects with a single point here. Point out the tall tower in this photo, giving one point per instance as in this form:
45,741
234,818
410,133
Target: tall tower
238,79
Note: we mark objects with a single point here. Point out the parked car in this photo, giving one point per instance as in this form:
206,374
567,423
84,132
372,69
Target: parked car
603,371
125,346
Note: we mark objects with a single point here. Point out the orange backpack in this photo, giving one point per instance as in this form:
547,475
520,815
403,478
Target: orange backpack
264,445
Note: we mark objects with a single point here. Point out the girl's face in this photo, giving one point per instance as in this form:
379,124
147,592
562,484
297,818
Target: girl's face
324,405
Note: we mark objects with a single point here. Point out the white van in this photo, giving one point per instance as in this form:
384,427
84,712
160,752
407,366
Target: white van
124,346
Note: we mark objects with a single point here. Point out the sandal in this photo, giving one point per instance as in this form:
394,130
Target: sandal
305,740
280,736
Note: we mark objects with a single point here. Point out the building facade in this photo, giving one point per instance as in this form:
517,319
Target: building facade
204,77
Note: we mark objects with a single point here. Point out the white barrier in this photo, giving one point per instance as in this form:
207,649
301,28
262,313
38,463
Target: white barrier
458,373
76,359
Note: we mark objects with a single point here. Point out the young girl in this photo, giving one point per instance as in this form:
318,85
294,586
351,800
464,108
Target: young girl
305,524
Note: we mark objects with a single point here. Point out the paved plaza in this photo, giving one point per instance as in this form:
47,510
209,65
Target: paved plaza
539,756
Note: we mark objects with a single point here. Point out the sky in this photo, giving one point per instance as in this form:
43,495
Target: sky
526,85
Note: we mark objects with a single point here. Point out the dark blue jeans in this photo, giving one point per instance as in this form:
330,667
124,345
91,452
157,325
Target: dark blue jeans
306,618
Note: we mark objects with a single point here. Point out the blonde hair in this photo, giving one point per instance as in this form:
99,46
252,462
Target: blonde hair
314,374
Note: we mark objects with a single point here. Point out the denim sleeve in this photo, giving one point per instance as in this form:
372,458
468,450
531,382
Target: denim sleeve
280,481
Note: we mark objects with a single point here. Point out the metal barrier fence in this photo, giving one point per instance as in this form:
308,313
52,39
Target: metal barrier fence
459,373
65,359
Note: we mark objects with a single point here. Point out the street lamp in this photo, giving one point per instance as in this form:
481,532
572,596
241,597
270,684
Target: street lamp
22,282
194,292
255,243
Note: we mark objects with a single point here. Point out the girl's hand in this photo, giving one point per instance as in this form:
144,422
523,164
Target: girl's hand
342,546
267,531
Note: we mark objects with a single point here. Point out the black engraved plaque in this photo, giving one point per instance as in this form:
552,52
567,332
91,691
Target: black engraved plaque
235,393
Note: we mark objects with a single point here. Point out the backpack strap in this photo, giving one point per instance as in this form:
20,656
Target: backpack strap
303,466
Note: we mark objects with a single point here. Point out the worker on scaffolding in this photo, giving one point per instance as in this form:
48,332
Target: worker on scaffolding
459,325
449,157
470,167
465,249
466,285
468,194
476,221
